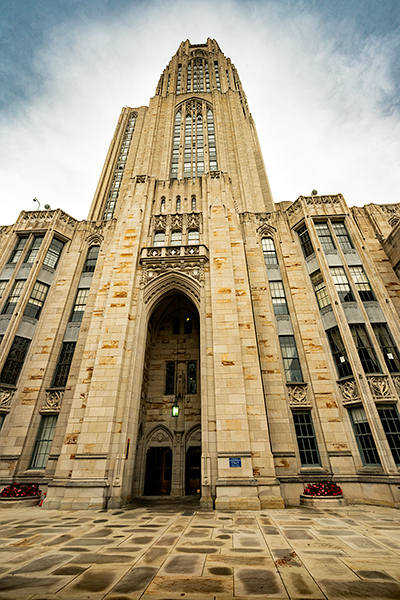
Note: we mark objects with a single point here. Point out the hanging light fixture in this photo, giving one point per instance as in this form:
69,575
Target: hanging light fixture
175,408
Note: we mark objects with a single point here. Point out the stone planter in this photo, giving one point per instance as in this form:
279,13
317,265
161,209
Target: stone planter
322,501
14,502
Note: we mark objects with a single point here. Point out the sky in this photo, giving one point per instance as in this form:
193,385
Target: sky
322,81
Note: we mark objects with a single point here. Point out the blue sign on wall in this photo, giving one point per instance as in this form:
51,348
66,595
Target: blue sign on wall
235,462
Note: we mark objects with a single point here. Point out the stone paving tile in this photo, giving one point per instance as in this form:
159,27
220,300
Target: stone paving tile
298,553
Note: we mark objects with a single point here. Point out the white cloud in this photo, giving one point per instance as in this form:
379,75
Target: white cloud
319,108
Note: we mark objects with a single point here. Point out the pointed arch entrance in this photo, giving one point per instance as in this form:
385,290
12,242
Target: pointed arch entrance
169,450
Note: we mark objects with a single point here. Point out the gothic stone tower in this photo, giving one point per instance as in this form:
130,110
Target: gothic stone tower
190,336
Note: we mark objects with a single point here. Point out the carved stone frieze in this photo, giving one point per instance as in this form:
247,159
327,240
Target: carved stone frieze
52,401
6,395
380,387
321,200
215,174
349,391
193,269
141,178
298,395
393,221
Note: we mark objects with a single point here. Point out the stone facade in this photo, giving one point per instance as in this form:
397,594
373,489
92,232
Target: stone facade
272,330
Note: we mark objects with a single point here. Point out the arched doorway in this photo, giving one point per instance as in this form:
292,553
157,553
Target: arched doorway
170,401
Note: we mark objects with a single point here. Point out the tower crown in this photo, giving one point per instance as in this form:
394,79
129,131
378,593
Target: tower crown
199,68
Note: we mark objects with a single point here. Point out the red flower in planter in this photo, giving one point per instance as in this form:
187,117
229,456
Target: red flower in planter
20,490
323,488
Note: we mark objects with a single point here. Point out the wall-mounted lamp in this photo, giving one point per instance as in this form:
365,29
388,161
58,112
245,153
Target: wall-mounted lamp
175,408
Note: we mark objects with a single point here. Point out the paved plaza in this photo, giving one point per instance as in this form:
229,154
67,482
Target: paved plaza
170,549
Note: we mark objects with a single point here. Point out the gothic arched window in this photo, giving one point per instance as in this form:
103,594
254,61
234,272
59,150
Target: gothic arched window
162,204
178,203
197,117
193,203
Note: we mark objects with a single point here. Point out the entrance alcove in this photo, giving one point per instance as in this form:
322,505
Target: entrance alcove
169,449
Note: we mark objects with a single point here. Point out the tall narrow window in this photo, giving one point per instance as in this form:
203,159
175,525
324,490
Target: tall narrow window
91,259
320,289
18,250
176,326
168,82
365,349
268,248
13,297
339,353
2,417
193,237
364,437
207,78
53,253
178,203
212,149
162,205
33,250
79,305
178,79
193,203
342,235
217,79
198,77
63,365
342,284
3,285
175,147
176,238
189,78
305,241
14,361
159,238
119,169
388,347
227,78
290,357
306,439
36,300
43,442
361,282
192,378
278,298
188,326
325,236
170,379
391,426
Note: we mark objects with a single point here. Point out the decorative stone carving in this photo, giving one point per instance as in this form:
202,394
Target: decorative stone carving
176,221
194,220
349,391
321,200
160,436
298,395
215,174
391,209
193,269
159,222
6,395
379,386
191,250
141,178
393,221
396,381
52,402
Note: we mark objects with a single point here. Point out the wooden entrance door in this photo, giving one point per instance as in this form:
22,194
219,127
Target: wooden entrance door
158,472
193,468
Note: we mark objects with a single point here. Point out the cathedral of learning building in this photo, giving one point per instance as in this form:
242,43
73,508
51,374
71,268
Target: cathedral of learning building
191,336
